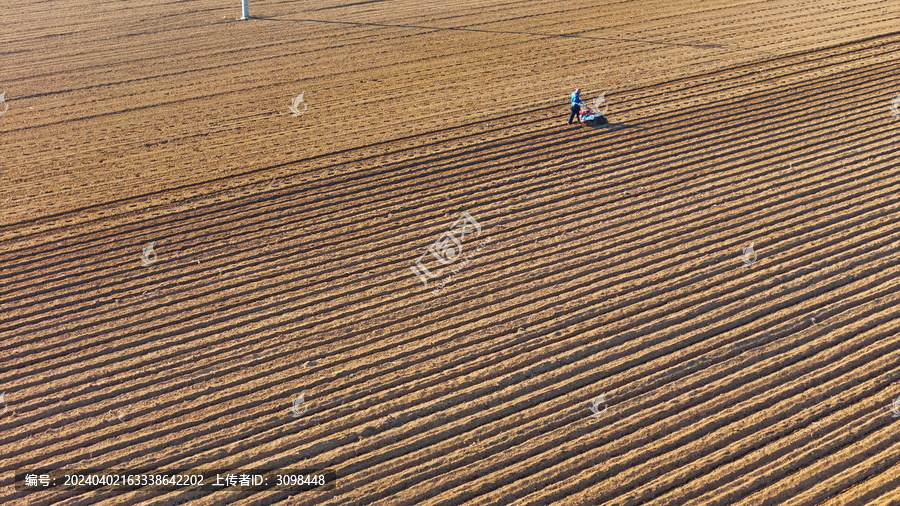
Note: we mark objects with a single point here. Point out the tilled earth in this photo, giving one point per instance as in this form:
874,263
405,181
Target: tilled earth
600,331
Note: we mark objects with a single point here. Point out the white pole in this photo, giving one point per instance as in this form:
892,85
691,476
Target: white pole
245,9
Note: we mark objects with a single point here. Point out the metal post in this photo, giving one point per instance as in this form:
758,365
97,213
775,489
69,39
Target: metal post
245,9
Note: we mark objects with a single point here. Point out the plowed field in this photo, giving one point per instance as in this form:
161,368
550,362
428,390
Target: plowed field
603,335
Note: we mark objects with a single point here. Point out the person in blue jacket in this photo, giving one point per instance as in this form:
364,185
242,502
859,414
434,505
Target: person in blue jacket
576,105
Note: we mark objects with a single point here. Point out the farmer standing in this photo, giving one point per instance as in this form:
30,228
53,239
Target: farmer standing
576,104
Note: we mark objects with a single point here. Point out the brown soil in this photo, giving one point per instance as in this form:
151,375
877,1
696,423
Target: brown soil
610,259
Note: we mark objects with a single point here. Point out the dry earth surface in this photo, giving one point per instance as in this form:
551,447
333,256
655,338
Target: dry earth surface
607,260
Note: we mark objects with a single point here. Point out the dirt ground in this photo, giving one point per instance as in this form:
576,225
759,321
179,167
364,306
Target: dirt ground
479,303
